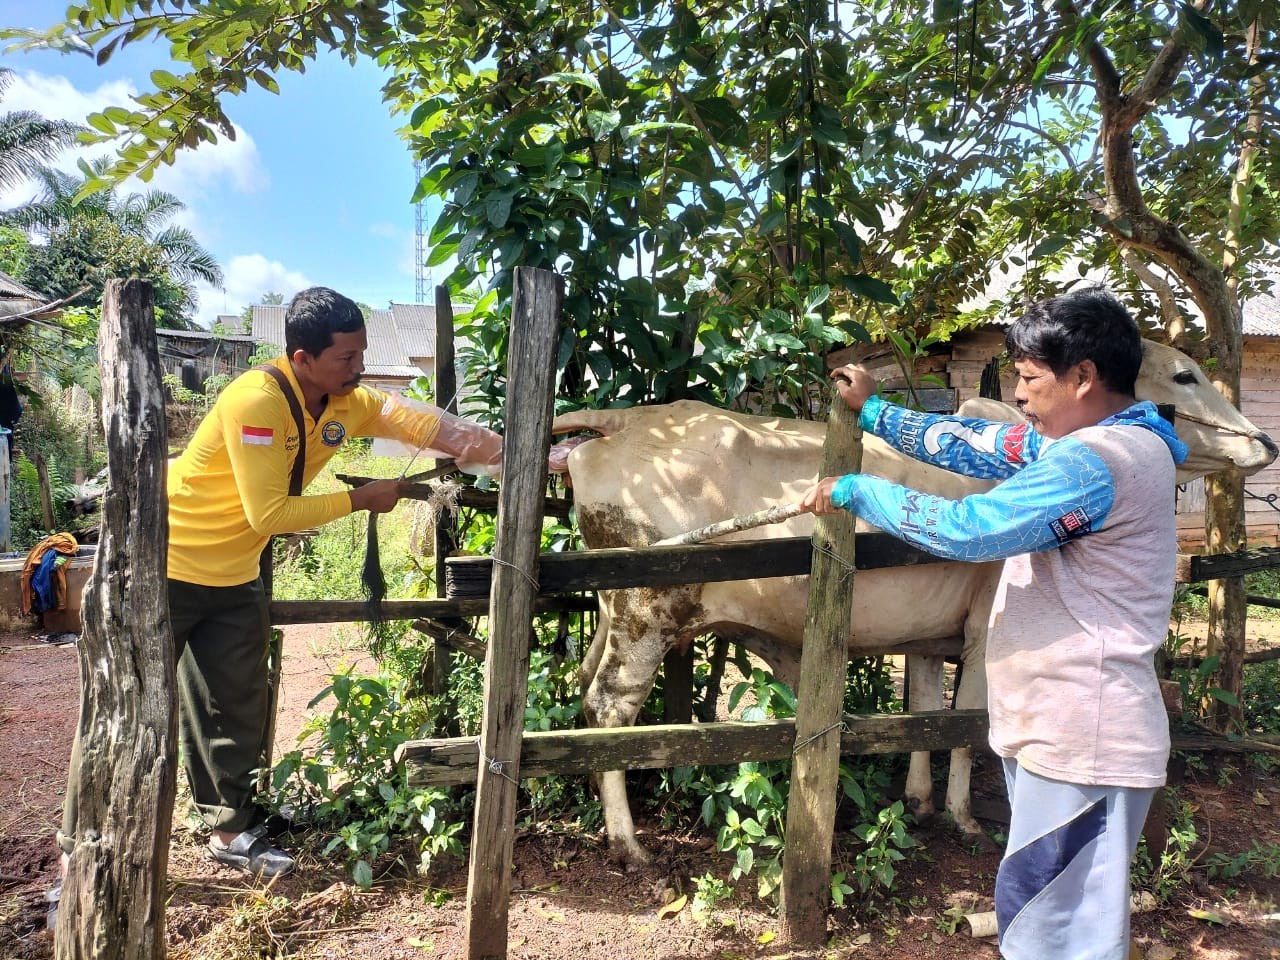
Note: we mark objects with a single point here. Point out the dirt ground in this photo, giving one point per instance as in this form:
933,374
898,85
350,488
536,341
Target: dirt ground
567,899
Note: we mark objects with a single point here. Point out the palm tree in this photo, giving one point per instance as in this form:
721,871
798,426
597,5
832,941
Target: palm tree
28,140
139,218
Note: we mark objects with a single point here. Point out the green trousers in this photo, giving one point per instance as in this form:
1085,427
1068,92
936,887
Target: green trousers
220,639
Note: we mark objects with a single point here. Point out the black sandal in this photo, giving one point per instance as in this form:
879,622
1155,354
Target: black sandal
252,852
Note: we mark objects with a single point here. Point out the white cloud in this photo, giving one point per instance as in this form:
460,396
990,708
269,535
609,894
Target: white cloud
247,278
234,162
389,230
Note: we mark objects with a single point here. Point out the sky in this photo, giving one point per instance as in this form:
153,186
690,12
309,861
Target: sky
315,189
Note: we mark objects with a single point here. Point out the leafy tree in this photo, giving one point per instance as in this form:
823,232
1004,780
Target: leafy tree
93,236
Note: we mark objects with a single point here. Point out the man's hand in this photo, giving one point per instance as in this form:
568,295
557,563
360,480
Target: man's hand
377,496
818,500
854,384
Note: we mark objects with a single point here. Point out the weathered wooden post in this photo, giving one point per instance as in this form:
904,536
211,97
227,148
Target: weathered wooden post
538,296
445,539
815,765
122,791
5,493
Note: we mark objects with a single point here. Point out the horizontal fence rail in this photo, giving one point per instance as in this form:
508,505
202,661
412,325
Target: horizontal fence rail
455,760
620,567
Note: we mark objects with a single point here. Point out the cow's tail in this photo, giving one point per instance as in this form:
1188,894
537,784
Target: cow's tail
604,422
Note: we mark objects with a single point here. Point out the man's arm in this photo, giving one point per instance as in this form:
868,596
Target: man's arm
1064,495
418,425
985,449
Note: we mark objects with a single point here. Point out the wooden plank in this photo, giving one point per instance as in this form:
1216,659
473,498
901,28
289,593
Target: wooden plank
354,611
536,306
448,762
620,567
815,765
1194,568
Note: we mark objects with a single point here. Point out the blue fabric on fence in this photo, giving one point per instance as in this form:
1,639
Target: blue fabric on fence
43,588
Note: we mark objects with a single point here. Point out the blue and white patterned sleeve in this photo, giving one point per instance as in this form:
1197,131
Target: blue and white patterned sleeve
1064,494
985,449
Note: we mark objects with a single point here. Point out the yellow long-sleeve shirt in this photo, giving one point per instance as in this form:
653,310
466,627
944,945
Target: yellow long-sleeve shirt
229,490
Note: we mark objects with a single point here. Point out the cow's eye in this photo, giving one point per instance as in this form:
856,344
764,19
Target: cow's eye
1184,378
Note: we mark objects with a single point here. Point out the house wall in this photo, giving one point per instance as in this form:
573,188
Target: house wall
1260,402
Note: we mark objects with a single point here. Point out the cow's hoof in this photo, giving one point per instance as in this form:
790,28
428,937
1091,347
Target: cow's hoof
977,842
923,811
631,860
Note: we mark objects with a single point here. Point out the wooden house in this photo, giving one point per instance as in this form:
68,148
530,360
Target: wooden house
193,356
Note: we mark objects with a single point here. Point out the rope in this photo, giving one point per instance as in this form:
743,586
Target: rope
1215,426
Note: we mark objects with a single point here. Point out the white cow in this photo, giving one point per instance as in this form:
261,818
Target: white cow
655,472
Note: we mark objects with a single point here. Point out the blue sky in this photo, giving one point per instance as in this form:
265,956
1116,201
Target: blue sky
314,190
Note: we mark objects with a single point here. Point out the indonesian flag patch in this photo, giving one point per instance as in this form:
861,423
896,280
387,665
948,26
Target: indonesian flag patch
1074,524
263,436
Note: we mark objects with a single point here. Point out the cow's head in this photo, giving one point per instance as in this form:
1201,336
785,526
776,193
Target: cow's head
1218,435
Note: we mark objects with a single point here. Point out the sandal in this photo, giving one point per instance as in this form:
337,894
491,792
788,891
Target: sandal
52,896
252,852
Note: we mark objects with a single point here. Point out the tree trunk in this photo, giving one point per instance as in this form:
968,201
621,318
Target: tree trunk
1224,518
1124,104
123,790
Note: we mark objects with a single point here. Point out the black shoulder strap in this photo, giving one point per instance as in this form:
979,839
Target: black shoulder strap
300,458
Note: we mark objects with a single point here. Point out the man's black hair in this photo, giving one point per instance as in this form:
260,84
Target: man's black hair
314,316
1087,324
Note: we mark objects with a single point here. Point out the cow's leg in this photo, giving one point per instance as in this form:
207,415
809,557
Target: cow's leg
622,665
925,675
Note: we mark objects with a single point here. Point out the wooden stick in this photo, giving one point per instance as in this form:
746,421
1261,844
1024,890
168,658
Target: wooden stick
775,514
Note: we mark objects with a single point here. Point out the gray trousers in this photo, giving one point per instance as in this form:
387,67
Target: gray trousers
220,640
1062,891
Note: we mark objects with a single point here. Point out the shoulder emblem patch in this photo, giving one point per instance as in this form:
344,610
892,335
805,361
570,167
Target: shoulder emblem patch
332,433
1074,524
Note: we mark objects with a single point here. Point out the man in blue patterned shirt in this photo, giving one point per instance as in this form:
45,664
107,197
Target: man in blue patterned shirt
1083,518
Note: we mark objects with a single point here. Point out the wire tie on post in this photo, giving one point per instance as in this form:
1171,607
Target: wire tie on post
838,725
828,552
495,766
523,573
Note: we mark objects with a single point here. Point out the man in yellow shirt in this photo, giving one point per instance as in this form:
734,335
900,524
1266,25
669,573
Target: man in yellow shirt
232,489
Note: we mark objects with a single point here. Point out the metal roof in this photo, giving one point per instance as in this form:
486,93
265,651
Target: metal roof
416,324
267,325
16,300
203,335
1261,316
385,356
11,289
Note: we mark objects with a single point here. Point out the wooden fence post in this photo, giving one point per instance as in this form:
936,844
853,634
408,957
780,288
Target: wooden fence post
6,484
122,790
538,297
815,765
445,527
